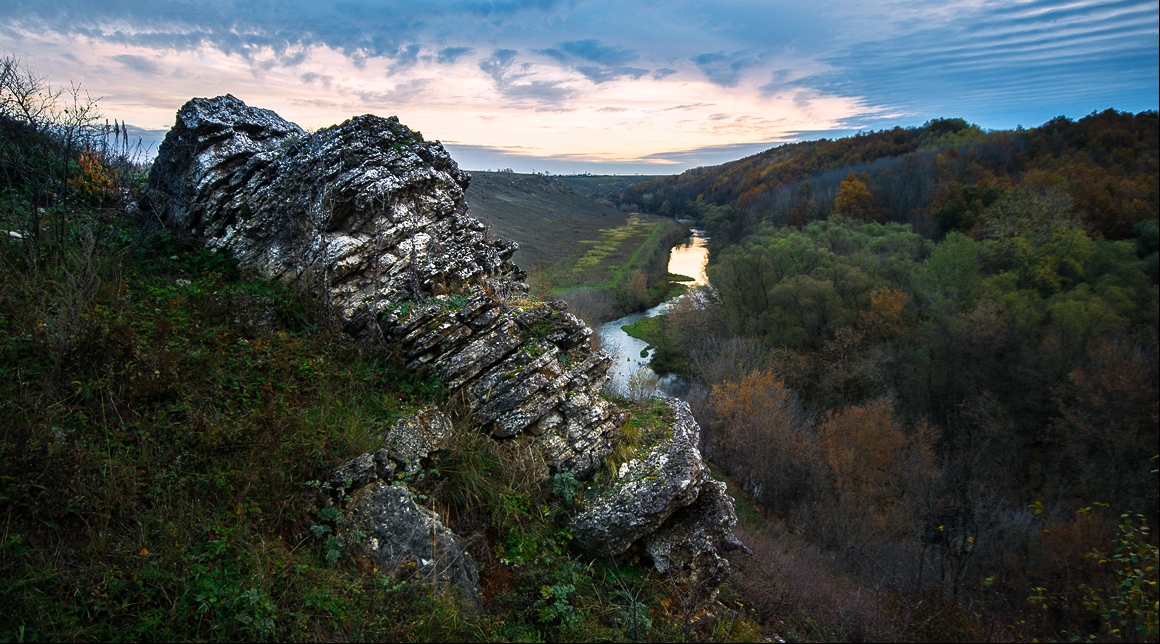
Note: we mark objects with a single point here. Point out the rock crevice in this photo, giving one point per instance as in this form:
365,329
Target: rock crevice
374,217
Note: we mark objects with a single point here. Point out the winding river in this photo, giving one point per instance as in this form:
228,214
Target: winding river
687,259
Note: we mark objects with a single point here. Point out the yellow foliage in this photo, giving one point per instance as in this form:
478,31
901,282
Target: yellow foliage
854,199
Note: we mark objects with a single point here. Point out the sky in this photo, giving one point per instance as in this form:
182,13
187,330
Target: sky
602,86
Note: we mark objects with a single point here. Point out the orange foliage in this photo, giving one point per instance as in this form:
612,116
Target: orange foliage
95,182
1108,417
854,199
886,317
876,466
764,437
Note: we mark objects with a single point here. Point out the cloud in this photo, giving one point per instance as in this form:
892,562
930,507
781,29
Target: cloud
499,66
604,74
138,63
724,69
322,79
405,57
991,62
596,61
597,52
401,93
452,54
819,65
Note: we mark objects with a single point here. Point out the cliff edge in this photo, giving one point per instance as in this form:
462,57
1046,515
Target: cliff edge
374,218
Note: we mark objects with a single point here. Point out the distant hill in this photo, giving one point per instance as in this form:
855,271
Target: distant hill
938,177
569,240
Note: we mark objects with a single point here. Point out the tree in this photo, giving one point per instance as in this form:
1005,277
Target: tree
876,466
765,439
854,199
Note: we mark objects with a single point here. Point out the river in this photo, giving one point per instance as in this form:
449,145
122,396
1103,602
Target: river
689,259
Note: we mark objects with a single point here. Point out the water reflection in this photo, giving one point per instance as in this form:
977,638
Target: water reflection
689,259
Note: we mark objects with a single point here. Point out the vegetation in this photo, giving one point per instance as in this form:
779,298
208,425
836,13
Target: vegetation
939,177
167,420
606,262
941,370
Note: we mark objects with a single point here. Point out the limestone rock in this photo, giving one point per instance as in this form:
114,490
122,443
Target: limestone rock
375,217
413,438
688,546
407,541
669,502
363,470
651,490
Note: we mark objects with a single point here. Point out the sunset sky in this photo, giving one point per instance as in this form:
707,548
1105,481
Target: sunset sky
602,86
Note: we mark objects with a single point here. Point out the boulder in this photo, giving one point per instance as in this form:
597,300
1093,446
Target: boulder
374,217
647,492
413,438
405,540
669,503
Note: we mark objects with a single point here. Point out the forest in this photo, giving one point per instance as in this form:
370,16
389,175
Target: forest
927,368
932,353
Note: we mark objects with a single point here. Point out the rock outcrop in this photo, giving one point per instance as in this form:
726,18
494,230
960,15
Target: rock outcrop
406,540
374,217
668,502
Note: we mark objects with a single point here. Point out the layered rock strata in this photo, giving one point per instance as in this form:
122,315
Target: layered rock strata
669,503
374,217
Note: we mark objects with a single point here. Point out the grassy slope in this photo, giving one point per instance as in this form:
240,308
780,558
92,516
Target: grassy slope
164,425
602,184
573,238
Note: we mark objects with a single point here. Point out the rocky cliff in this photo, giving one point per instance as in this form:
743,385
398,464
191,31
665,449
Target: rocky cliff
373,217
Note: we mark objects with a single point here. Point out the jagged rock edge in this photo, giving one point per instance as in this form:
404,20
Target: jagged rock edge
256,185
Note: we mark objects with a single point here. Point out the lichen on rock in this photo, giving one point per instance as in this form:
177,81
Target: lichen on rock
407,541
669,503
373,217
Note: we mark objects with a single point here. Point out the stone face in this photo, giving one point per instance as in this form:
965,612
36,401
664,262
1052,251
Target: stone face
413,438
688,546
669,502
669,478
407,541
375,218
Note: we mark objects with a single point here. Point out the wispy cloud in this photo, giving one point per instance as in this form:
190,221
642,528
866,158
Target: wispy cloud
595,60
510,81
138,63
584,78
724,69
452,54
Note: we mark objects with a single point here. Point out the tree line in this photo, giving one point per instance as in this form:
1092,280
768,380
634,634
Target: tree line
942,366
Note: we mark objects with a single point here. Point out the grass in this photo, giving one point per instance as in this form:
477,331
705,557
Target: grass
157,444
165,423
665,358
567,240
597,186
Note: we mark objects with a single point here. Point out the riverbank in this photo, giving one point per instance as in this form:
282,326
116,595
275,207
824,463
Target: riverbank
635,341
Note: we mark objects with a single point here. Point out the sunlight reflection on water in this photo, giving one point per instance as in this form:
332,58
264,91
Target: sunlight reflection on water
687,259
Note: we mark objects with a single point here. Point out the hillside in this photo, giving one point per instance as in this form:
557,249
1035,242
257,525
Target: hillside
937,177
569,241
932,355
225,423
